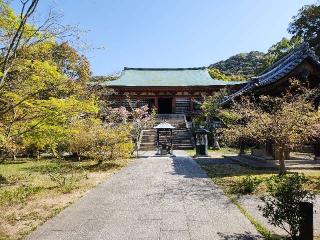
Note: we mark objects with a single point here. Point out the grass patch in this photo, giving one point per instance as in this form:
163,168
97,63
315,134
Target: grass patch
29,195
211,152
17,194
228,176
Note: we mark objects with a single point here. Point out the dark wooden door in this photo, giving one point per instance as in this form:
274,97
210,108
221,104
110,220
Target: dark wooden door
165,105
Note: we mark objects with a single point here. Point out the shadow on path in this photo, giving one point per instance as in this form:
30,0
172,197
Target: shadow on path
239,236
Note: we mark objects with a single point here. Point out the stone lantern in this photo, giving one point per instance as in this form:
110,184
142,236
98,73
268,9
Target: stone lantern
201,142
164,138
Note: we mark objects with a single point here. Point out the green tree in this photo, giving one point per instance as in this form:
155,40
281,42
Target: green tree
217,74
306,25
211,107
71,63
111,142
82,136
43,84
277,51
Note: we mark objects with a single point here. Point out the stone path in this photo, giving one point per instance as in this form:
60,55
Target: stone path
152,198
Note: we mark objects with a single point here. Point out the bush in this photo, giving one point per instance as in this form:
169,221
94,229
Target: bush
246,185
112,143
282,205
2,179
65,177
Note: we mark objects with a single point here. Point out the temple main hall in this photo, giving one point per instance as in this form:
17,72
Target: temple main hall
169,90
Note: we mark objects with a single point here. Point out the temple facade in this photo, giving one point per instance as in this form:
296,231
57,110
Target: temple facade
182,90
169,90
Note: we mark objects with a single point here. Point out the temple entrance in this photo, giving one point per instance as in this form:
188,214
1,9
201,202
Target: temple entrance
165,105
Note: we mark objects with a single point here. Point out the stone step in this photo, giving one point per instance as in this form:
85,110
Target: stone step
181,136
165,140
175,146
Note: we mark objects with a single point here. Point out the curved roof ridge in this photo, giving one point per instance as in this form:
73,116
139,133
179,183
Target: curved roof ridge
302,47
164,69
278,70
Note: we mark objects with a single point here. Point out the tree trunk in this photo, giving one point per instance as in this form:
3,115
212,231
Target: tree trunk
137,151
282,169
14,156
38,155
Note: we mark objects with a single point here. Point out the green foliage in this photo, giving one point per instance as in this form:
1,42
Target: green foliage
112,143
246,185
82,136
243,65
43,92
216,74
69,62
306,25
282,205
199,121
211,106
104,78
277,51
17,194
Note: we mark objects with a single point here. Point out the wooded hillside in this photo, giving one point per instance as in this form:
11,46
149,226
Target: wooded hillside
243,64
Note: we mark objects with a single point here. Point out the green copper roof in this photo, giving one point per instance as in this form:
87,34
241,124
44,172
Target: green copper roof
164,77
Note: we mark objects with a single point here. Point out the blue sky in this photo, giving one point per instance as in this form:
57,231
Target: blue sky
174,33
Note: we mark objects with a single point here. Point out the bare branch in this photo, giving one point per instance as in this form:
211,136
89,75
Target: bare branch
14,44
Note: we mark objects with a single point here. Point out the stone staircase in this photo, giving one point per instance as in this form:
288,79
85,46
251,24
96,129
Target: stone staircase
182,137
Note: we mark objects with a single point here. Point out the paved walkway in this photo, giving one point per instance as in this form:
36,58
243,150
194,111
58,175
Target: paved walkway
152,198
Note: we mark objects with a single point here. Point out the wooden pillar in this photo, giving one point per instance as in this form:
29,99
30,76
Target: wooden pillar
156,103
173,105
191,105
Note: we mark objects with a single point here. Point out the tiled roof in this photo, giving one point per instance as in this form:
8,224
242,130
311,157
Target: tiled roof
277,71
166,77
